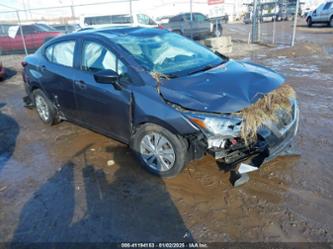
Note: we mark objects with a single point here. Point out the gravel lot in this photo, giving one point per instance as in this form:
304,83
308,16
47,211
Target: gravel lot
56,185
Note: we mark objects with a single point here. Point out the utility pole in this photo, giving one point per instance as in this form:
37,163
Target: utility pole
191,11
21,31
131,8
295,24
255,21
73,11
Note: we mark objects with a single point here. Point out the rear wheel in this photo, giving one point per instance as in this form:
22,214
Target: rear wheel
45,109
309,21
331,22
159,151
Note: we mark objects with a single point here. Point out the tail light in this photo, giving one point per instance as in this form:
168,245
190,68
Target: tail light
160,27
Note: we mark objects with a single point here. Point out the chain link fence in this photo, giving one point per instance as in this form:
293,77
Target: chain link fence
25,30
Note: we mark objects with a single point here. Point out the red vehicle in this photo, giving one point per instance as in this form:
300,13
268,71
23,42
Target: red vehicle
34,35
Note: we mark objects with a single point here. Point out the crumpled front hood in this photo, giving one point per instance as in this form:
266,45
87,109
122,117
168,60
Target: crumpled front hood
228,88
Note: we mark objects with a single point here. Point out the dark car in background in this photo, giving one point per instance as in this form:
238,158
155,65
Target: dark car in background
200,26
171,99
34,36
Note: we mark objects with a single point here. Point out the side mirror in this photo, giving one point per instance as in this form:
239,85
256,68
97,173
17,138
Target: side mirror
108,77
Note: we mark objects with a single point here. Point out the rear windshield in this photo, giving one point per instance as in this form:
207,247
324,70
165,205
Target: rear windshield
114,19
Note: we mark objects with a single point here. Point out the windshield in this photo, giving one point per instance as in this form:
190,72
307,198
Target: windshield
168,53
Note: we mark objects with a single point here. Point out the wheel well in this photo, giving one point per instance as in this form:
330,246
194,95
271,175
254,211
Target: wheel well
186,139
33,88
155,122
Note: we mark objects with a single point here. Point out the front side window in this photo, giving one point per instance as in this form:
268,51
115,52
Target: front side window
327,6
61,53
96,58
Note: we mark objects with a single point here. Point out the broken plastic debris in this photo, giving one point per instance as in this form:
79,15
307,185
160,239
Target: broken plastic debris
3,188
246,168
110,163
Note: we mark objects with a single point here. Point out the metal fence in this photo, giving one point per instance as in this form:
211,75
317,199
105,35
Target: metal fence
275,22
23,29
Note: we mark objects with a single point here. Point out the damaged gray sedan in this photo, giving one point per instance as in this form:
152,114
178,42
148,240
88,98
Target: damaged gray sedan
169,98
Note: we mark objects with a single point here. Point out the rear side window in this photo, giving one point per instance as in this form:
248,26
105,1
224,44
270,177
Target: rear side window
49,53
61,53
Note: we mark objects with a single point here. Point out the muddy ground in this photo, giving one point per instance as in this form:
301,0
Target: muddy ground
56,185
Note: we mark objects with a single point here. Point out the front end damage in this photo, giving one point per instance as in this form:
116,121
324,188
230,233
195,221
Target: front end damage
223,139
272,139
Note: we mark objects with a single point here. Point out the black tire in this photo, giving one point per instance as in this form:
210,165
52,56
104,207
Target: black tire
309,21
52,117
178,143
331,22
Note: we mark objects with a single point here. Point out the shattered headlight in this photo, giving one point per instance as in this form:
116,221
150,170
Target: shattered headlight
223,126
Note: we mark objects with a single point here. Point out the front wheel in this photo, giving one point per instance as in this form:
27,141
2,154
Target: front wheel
331,22
159,151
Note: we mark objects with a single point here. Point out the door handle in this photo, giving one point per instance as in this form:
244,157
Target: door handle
81,84
42,68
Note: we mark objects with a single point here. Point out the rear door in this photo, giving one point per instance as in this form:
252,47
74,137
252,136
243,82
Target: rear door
57,76
102,107
189,27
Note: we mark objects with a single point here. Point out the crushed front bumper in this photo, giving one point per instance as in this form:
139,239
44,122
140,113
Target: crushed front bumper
274,138
280,136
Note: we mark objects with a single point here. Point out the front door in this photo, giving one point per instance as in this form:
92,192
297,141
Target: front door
325,13
102,106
